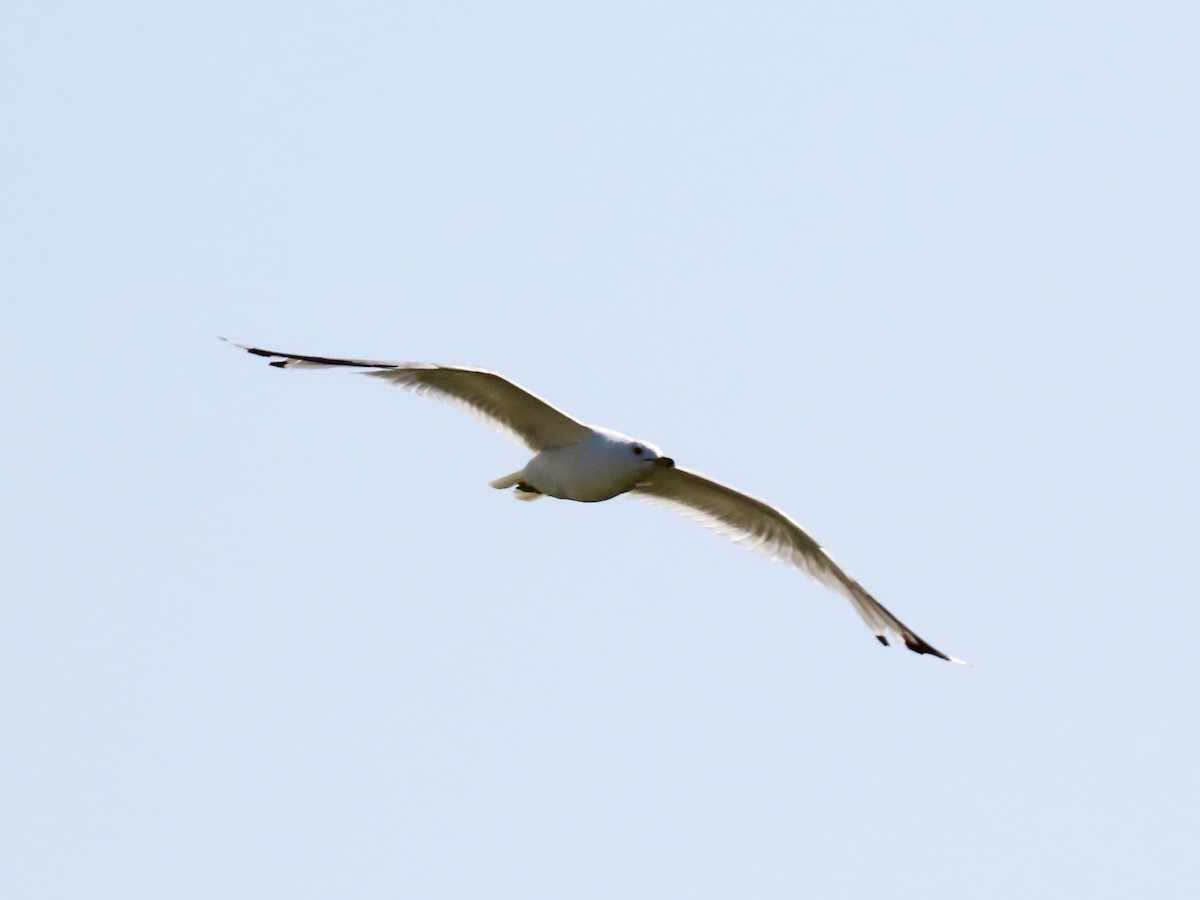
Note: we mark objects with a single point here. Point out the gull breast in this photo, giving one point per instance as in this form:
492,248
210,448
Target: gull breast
597,468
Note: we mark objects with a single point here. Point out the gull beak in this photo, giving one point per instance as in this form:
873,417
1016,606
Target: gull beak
665,461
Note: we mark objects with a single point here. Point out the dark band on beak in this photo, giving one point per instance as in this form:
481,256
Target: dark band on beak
665,461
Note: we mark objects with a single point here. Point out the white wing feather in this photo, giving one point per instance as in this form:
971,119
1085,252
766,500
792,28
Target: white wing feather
764,529
498,402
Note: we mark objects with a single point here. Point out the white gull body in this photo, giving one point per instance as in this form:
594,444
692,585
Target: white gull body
574,461
599,466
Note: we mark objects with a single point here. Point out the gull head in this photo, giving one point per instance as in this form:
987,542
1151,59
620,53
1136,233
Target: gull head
650,454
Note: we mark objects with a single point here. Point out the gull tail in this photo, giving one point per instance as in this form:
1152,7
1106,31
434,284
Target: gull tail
508,481
517,480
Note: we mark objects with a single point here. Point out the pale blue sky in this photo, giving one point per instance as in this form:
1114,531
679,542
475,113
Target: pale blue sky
925,275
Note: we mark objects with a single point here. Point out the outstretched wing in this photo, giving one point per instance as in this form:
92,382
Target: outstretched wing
761,527
505,406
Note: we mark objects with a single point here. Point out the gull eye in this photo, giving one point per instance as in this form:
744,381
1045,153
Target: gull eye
638,450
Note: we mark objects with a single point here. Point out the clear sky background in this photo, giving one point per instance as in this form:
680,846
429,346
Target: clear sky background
925,275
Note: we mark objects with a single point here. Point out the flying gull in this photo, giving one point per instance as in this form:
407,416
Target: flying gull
574,461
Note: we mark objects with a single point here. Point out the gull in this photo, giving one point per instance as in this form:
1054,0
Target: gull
586,463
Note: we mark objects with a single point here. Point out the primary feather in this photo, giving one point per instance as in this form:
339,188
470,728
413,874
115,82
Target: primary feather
761,527
501,404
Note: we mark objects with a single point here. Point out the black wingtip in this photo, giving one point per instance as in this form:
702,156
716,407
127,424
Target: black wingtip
917,645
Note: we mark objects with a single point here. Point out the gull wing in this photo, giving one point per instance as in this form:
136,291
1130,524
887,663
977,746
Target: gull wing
506,407
761,527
